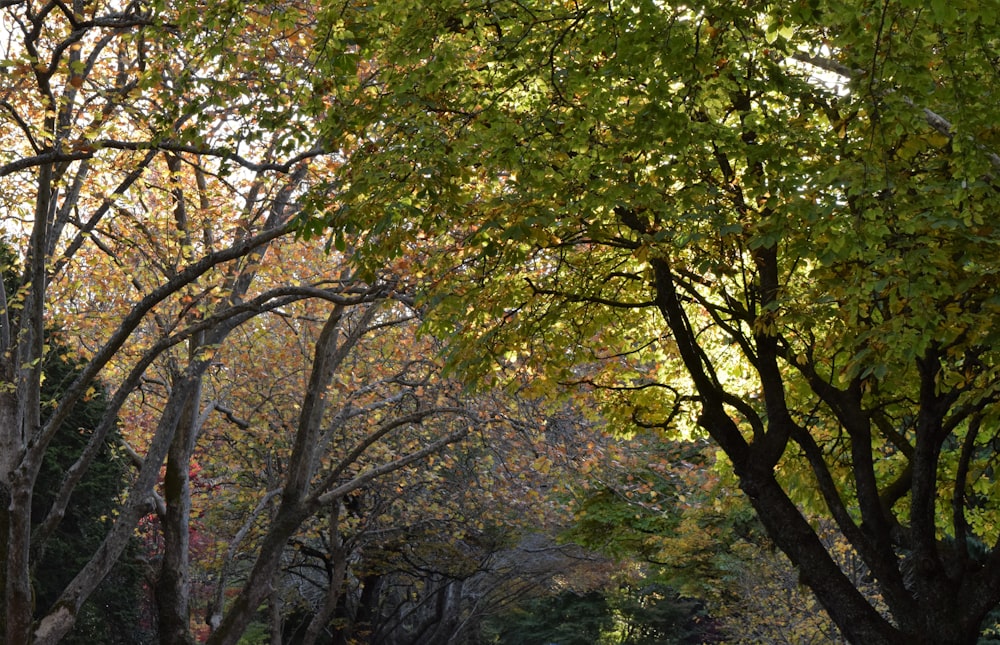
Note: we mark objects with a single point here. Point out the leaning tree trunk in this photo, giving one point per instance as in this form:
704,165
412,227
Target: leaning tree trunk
238,615
754,467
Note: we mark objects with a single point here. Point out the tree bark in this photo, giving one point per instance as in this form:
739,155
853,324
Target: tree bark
367,611
335,579
20,609
235,620
276,612
850,611
57,624
753,465
173,592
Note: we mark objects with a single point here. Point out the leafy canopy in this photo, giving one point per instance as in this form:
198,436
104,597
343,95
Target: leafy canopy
772,220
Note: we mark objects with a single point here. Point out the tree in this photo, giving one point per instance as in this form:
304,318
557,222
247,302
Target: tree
405,557
567,618
112,615
159,161
152,154
770,222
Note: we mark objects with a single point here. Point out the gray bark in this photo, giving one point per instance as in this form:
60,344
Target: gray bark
57,624
335,580
173,591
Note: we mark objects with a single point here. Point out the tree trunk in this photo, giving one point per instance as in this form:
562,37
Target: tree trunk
754,467
367,613
441,625
850,611
335,580
276,611
258,585
4,529
16,523
173,585
173,594
57,624
18,597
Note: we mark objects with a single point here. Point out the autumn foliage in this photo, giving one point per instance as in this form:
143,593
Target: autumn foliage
438,321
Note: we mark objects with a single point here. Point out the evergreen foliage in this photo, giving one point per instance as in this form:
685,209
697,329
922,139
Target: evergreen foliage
565,619
652,615
112,615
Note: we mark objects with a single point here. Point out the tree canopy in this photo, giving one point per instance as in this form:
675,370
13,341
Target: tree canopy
154,160
770,223
765,224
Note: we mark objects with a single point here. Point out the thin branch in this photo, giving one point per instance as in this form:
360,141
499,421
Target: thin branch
374,473
218,601
572,297
222,153
958,498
